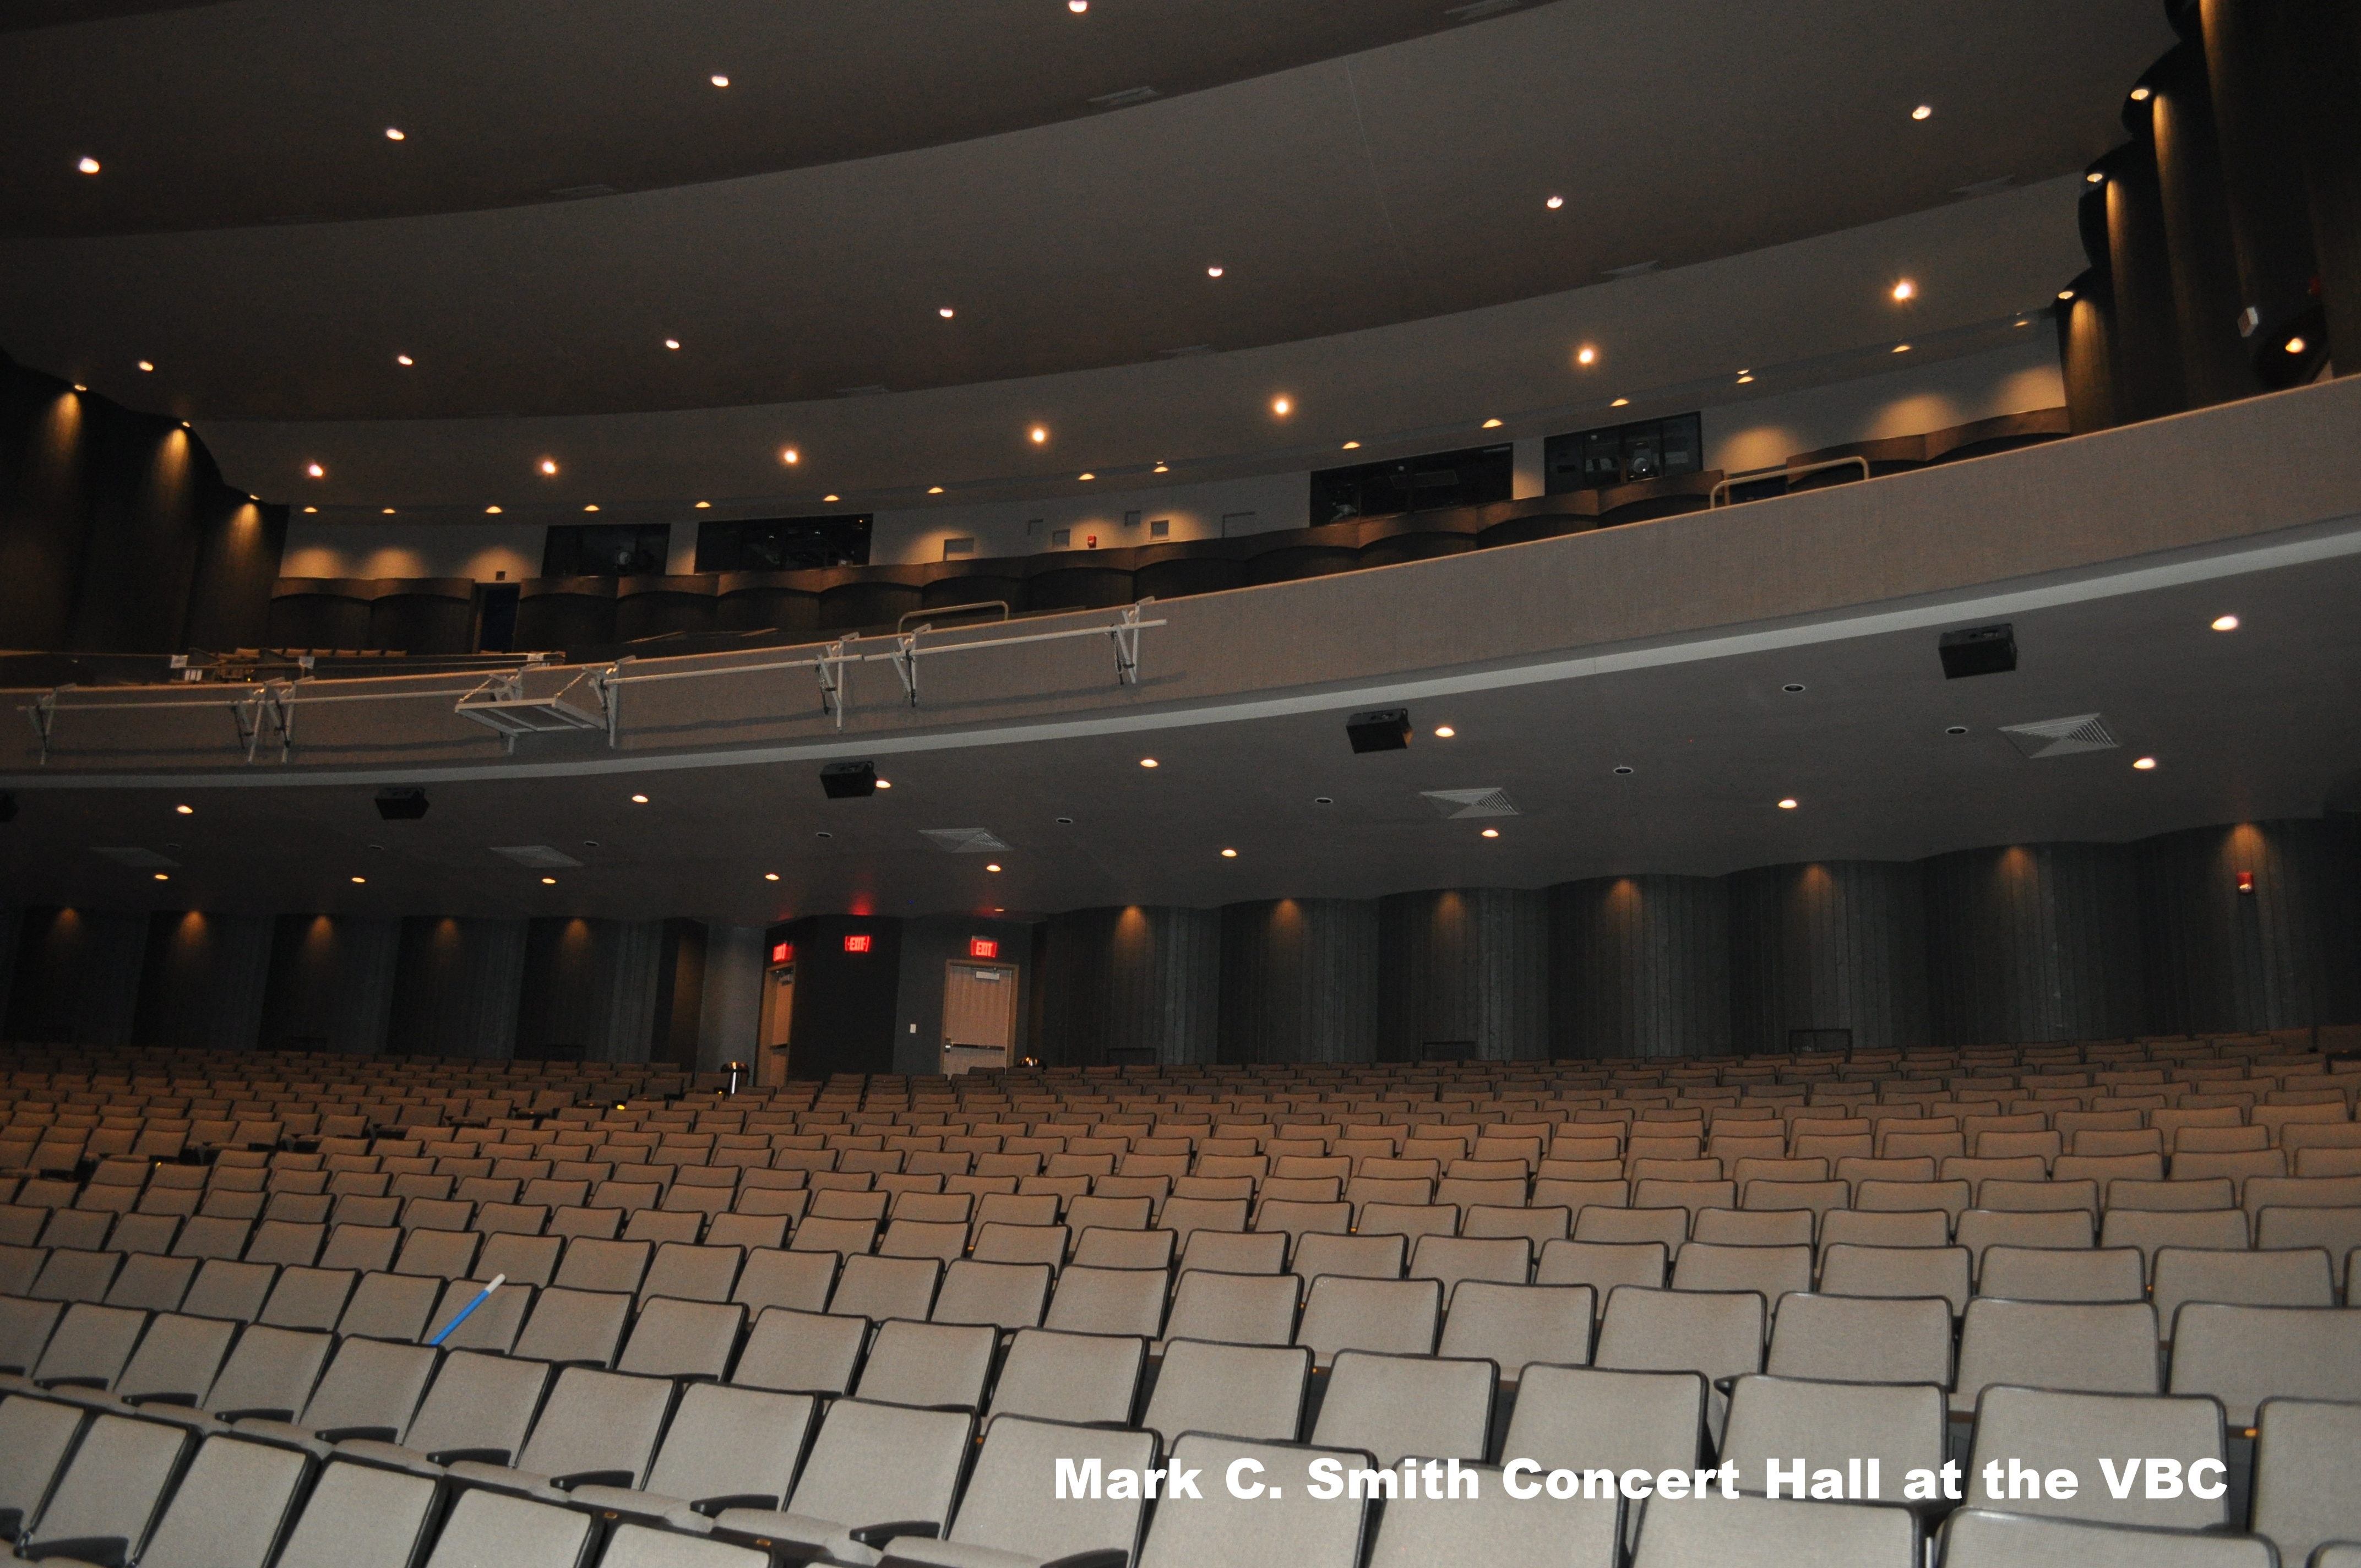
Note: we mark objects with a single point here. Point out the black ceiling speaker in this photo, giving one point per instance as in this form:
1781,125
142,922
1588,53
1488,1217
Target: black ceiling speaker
1387,729
1985,650
848,781
7,808
402,805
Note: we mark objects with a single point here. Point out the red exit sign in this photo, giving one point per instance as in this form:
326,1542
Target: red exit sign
983,948
856,942
782,952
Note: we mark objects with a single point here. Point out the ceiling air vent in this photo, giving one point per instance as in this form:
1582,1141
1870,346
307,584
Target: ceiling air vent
964,840
1125,99
1490,800
540,856
2061,737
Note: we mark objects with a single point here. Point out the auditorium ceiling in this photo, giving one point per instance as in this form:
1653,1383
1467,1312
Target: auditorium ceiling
571,192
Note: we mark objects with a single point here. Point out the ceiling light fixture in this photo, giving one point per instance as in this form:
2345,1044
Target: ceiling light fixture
404,360
1923,112
1491,425
2065,294
317,471
1087,476
2295,346
359,880
392,133
1623,768
884,783
993,867
1746,377
1078,6
1491,832
639,800
311,509
2094,177
2146,764
2141,94
1585,355
1788,805
186,810
1620,403
1445,732
1901,348
831,497
1352,447
1039,435
769,877
2225,623
549,882
88,166
549,465
591,507
672,343
790,457
1281,407
492,511
1213,271
162,877
934,489
718,81
389,511
147,364
946,312
704,506
1905,290
1555,202
1955,729
1162,468
1229,854
1148,763
80,388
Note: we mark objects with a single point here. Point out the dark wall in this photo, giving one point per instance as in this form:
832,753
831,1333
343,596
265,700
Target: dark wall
1639,967
1463,972
2034,942
592,990
77,976
1829,946
1299,980
116,532
202,984
1139,983
331,986
2284,956
929,943
844,1002
457,985
680,993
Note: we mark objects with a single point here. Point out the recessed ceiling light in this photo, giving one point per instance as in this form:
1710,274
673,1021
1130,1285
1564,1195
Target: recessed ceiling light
1162,468
392,133
389,511
2025,321
1324,800
934,489
311,509
1905,290
831,497
2094,177
404,360
1624,768
1213,271
639,800
1078,6
993,867
672,343
1792,687
2295,346
1923,112
704,506
1742,381
147,364
315,471
1585,355
1788,805
1352,447
1086,476
489,511
1038,434
1901,348
1065,821
359,880
591,507
1229,854
1491,425
80,388
549,465
1491,832
718,81
946,312
823,833
1620,403
1281,407
2065,294
1445,732
2141,94
186,810
1956,730
2146,764
88,166
1555,202
769,877
2225,623
549,882
162,877
884,783
1147,762
790,457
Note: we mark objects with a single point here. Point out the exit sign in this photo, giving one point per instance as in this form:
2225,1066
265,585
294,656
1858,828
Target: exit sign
983,948
856,942
782,952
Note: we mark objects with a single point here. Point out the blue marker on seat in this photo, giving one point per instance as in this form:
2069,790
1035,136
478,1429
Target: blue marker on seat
482,1297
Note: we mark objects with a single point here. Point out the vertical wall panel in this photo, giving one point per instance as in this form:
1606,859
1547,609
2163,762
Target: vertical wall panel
2139,262
590,985
2285,956
2320,42
2262,168
2197,227
1830,945
11,928
1464,972
203,984
331,986
733,1007
1639,967
457,987
843,1019
1138,979
2086,345
77,978
44,507
2034,942
1299,981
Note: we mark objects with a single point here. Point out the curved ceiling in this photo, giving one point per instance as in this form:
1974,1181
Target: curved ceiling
254,236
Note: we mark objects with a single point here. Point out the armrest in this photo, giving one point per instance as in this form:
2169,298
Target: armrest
12,1523
620,1479
229,1418
106,1551
713,1508
139,1401
875,1536
350,1434
1106,1557
450,1456
73,1383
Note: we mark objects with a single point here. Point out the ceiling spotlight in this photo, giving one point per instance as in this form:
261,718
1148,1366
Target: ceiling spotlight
593,507
404,360
1038,434
1086,476
88,166
2094,177
1491,832
147,364
1555,202
162,877
2294,345
358,879
1078,6
389,511
2065,294
1623,769
769,877
186,810
1955,729
492,511
1792,687
391,134
1620,403
549,882
1744,380
1229,854
1148,763
1901,348
317,471
946,312
80,388
934,489
1162,468
549,465
1905,290
718,81
790,457
2146,764
1213,271
639,800
884,783
1491,425
704,506
1585,355
1923,112
1352,447
993,866
672,343
1445,732
1788,805
311,509
2225,623
1281,407
831,497
2141,94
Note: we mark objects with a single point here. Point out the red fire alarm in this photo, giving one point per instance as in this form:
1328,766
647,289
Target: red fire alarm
2246,882
983,948
1093,540
781,952
856,942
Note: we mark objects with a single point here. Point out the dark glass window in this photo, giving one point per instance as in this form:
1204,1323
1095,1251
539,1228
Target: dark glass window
782,545
1644,449
1431,483
605,550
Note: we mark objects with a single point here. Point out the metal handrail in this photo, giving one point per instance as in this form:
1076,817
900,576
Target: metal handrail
1720,496
1001,605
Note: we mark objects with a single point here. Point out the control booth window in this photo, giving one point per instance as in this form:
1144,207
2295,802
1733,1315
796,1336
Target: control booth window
1624,454
1431,483
605,550
782,545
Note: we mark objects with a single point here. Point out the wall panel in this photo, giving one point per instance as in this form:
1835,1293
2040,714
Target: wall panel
2034,942
1832,944
203,984
77,978
2285,956
1639,967
1134,979
1299,981
1464,972
457,987
331,985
